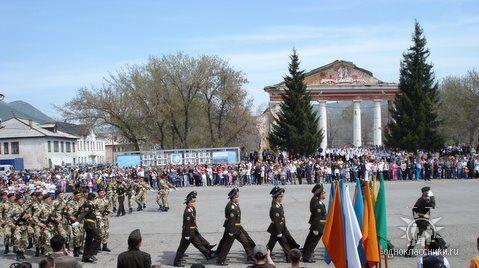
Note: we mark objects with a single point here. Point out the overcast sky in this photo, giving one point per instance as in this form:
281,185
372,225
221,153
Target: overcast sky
48,49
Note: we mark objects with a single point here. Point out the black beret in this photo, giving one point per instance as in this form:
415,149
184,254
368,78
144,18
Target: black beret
91,195
317,187
100,188
76,192
58,191
46,196
18,196
233,192
425,189
10,195
278,192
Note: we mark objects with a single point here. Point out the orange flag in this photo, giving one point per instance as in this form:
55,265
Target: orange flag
370,239
333,237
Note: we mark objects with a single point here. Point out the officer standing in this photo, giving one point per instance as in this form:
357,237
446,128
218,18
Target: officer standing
163,190
317,220
103,221
120,193
234,230
277,229
190,233
92,238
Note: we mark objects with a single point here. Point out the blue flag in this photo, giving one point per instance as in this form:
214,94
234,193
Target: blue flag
359,211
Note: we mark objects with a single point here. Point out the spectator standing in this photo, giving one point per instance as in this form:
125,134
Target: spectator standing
61,258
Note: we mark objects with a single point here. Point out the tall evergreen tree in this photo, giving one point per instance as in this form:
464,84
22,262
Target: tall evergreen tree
415,122
295,129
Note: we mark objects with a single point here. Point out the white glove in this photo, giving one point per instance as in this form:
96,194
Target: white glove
75,224
279,236
316,232
429,193
230,234
187,237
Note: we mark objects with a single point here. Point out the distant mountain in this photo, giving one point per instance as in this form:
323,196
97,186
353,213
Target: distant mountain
23,110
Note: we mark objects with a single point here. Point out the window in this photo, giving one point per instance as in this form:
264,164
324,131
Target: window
49,146
68,147
56,147
15,147
62,146
73,146
5,147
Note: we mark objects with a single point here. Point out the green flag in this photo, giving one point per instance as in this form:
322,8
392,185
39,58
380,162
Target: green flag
380,214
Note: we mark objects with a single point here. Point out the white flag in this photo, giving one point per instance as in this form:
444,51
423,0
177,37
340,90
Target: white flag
352,231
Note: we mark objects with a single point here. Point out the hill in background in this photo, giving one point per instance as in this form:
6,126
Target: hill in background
23,110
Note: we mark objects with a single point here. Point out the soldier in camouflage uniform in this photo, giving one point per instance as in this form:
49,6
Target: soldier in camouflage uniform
103,205
60,206
111,193
19,215
5,223
163,190
35,204
130,186
77,230
141,189
47,221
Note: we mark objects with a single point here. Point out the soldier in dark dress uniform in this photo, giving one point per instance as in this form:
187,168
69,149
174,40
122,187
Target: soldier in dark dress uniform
87,214
421,212
190,233
234,230
277,229
317,220
120,192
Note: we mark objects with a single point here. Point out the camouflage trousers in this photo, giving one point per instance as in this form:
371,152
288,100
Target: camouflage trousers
130,201
112,200
104,229
44,236
63,229
140,198
21,237
6,233
162,199
77,233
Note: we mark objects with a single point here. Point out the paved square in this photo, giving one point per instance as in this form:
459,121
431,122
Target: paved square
457,205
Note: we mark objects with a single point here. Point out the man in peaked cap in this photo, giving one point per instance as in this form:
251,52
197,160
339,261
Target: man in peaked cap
190,233
317,220
277,229
134,257
203,241
234,230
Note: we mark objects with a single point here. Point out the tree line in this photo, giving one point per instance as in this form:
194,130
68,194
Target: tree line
173,101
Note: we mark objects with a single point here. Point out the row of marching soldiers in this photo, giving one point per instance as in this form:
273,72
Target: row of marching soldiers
29,221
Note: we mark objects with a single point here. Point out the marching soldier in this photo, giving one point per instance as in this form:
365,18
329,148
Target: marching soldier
87,215
103,222
421,212
111,193
46,221
277,229
20,217
164,188
139,192
61,208
234,230
317,220
200,237
120,193
77,230
146,187
130,187
5,223
190,233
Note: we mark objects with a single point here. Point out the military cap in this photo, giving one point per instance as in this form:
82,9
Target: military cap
100,188
18,196
46,196
279,191
85,189
91,196
135,236
317,187
234,192
189,198
273,190
192,193
425,189
76,192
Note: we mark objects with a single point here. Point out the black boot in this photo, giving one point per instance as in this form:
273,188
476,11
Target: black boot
144,205
20,256
7,250
75,252
105,248
130,210
160,208
42,251
37,252
138,208
114,210
30,243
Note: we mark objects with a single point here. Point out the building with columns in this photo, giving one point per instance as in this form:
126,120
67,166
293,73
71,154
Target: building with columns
342,81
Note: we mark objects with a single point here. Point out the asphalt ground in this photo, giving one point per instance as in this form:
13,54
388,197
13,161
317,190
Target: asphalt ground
456,215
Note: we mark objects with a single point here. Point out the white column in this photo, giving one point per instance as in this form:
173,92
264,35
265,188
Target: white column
377,123
357,123
323,123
